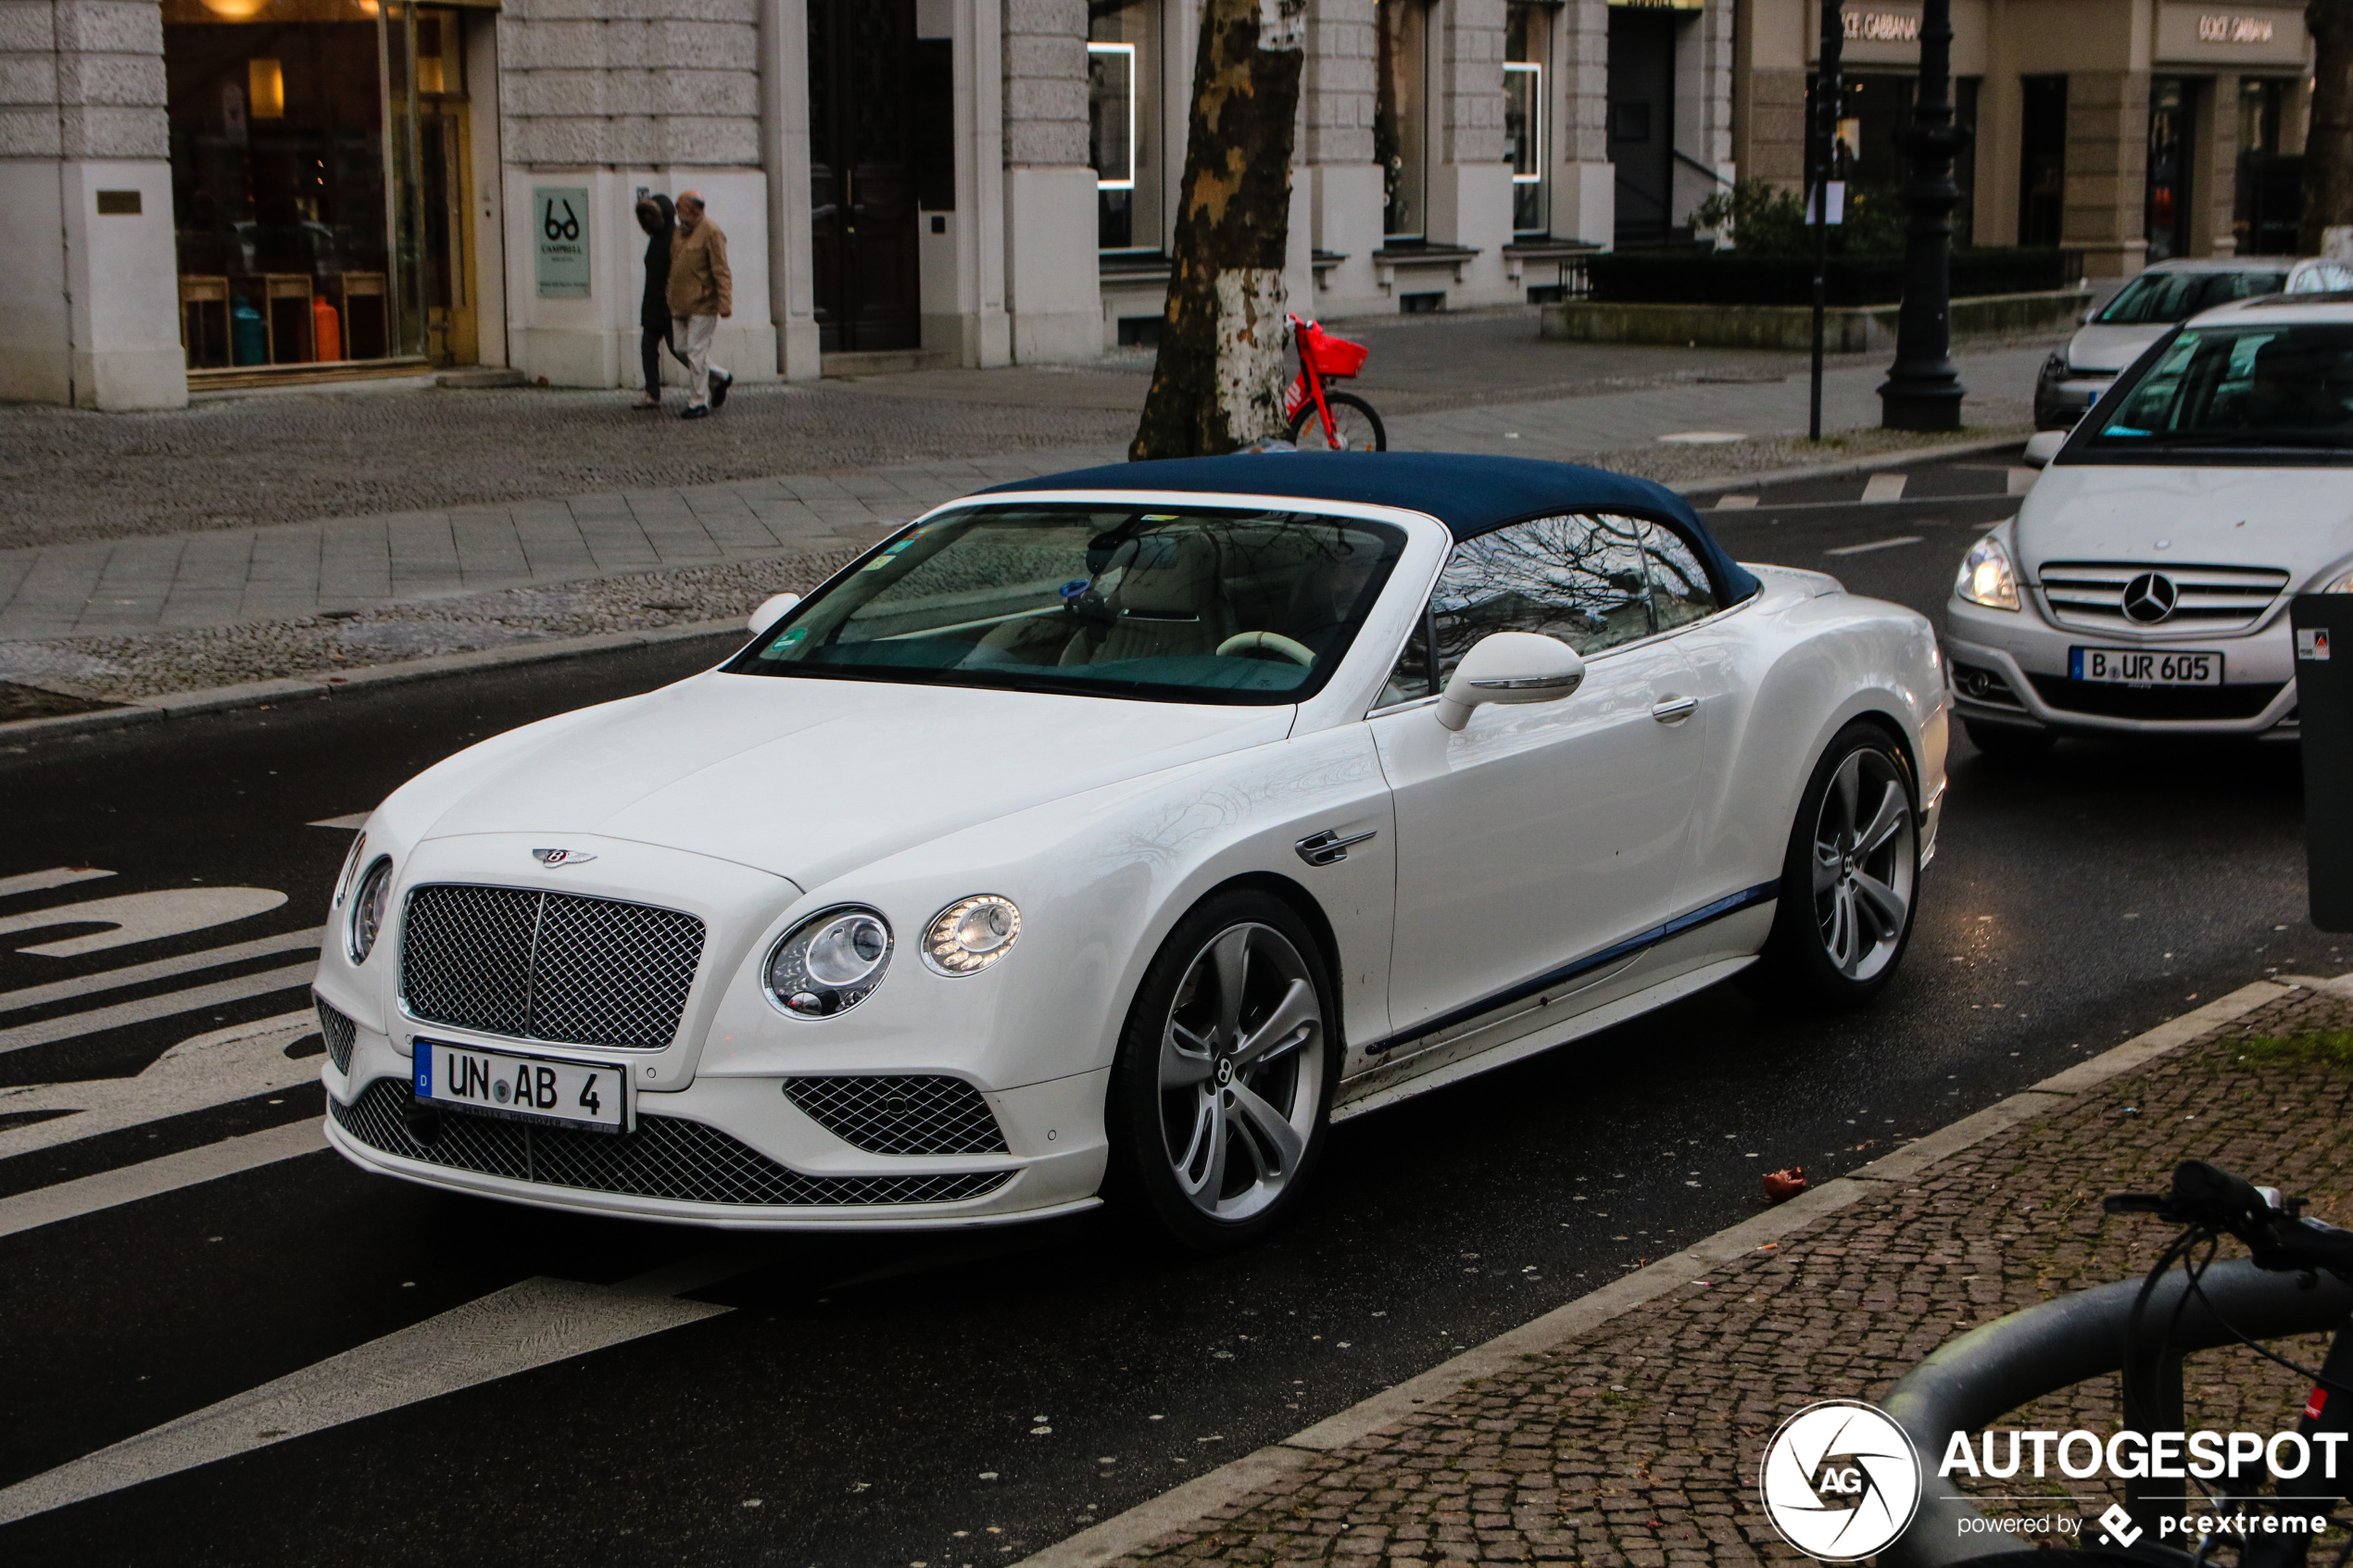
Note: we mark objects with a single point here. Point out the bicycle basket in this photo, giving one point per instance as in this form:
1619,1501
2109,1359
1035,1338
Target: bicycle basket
1336,358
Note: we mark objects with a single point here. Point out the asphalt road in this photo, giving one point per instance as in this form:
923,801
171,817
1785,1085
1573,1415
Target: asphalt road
942,1399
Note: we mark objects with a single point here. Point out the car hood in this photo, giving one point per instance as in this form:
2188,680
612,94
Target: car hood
2297,518
808,779
2103,351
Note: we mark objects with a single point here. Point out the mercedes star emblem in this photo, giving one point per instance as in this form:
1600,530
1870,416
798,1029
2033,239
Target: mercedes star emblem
2150,598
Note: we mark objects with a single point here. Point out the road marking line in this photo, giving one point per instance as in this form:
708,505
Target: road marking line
75,1024
352,824
114,979
1734,503
143,917
149,1178
533,1323
1703,437
1886,487
57,876
1899,540
208,1069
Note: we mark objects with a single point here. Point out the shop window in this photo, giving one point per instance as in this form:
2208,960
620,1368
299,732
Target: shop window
2166,222
2268,200
2042,160
314,216
1400,115
1528,32
1123,124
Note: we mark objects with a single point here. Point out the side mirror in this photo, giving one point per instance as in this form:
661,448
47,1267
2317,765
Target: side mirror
773,611
2042,445
1509,666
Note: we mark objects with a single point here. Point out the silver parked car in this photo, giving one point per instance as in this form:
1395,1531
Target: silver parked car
2146,308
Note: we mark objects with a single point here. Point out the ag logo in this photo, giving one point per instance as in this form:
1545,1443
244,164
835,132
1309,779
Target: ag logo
1840,1481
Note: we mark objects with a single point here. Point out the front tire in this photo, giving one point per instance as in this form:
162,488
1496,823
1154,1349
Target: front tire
1355,428
1221,1093
1851,877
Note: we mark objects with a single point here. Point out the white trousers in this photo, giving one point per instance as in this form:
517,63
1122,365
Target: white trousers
690,340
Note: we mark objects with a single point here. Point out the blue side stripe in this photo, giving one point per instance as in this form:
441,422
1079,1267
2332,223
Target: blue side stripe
1747,897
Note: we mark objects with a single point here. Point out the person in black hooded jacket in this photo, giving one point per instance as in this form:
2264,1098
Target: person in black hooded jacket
658,218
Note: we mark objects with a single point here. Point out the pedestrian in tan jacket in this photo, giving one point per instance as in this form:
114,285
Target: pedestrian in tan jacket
701,291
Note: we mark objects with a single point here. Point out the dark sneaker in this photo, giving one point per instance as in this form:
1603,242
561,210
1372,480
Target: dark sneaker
699,411
718,385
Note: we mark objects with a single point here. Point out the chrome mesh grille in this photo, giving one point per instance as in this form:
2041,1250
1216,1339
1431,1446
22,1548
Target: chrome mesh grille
906,1114
547,966
667,1157
2090,593
337,1031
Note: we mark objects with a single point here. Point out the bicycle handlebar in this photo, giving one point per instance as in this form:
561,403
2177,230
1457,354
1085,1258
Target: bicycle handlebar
2279,1238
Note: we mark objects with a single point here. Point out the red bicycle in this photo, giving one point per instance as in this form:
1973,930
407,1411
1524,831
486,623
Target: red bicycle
1347,421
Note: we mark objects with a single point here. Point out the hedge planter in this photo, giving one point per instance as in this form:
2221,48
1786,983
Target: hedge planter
1868,328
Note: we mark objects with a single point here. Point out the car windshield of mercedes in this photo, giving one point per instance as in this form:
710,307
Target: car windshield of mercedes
2158,297
1183,604
2251,391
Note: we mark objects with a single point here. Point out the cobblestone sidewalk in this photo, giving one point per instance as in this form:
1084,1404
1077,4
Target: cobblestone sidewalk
1636,1446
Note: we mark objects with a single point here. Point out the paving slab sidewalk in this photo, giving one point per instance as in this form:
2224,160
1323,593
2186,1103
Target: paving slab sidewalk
1634,1442
213,577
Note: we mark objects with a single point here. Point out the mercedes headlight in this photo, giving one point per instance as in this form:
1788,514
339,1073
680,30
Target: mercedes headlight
2056,368
1986,576
2341,584
829,962
971,933
367,909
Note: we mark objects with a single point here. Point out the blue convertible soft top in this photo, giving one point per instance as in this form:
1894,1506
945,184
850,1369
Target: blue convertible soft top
1469,494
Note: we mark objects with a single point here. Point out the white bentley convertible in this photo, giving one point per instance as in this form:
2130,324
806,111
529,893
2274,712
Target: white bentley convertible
1113,833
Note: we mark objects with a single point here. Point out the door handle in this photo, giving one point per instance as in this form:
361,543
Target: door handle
1673,709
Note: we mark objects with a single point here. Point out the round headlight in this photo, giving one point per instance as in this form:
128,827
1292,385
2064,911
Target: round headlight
971,933
352,861
829,962
367,909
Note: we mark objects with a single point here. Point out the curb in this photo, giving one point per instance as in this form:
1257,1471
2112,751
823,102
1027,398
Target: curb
260,694
256,693
1132,1530
1852,465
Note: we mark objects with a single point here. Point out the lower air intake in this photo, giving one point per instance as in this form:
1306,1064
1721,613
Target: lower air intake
908,1113
667,1157
338,1032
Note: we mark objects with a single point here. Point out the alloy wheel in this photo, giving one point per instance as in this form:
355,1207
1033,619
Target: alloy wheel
1864,864
1241,1070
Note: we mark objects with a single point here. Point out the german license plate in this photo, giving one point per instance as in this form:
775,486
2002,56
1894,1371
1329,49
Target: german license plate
589,1095
2144,667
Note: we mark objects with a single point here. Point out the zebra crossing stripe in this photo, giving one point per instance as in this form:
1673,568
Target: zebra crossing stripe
55,877
127,1184
160,969
75,1024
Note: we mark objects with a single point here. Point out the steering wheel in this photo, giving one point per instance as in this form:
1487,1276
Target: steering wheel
1273,641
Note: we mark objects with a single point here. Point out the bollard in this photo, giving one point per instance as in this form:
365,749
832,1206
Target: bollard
2323,623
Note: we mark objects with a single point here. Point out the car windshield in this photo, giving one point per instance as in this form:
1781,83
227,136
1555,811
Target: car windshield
2247,388
1187,603
2163,298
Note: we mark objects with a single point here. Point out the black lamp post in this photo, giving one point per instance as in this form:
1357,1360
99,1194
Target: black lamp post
1822,139
1922,390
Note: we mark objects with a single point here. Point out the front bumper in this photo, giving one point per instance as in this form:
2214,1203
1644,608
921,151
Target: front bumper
2011,669
728,1151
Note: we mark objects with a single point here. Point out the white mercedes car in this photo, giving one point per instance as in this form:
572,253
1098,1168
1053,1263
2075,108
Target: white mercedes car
2143,586
1113,832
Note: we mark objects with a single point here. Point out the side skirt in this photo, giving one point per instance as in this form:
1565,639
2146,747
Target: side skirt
1600,1018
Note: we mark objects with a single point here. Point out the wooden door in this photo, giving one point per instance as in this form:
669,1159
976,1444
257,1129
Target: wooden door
861,174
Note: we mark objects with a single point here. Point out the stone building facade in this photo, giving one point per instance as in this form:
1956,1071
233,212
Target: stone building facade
214,195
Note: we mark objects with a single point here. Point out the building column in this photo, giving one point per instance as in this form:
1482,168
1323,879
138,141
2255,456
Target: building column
1584,181
90,300
1703,109
1470,185
784,146
1053,274
2107,127
2214,166
1336,171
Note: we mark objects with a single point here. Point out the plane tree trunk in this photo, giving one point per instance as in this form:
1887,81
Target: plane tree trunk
1224,343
